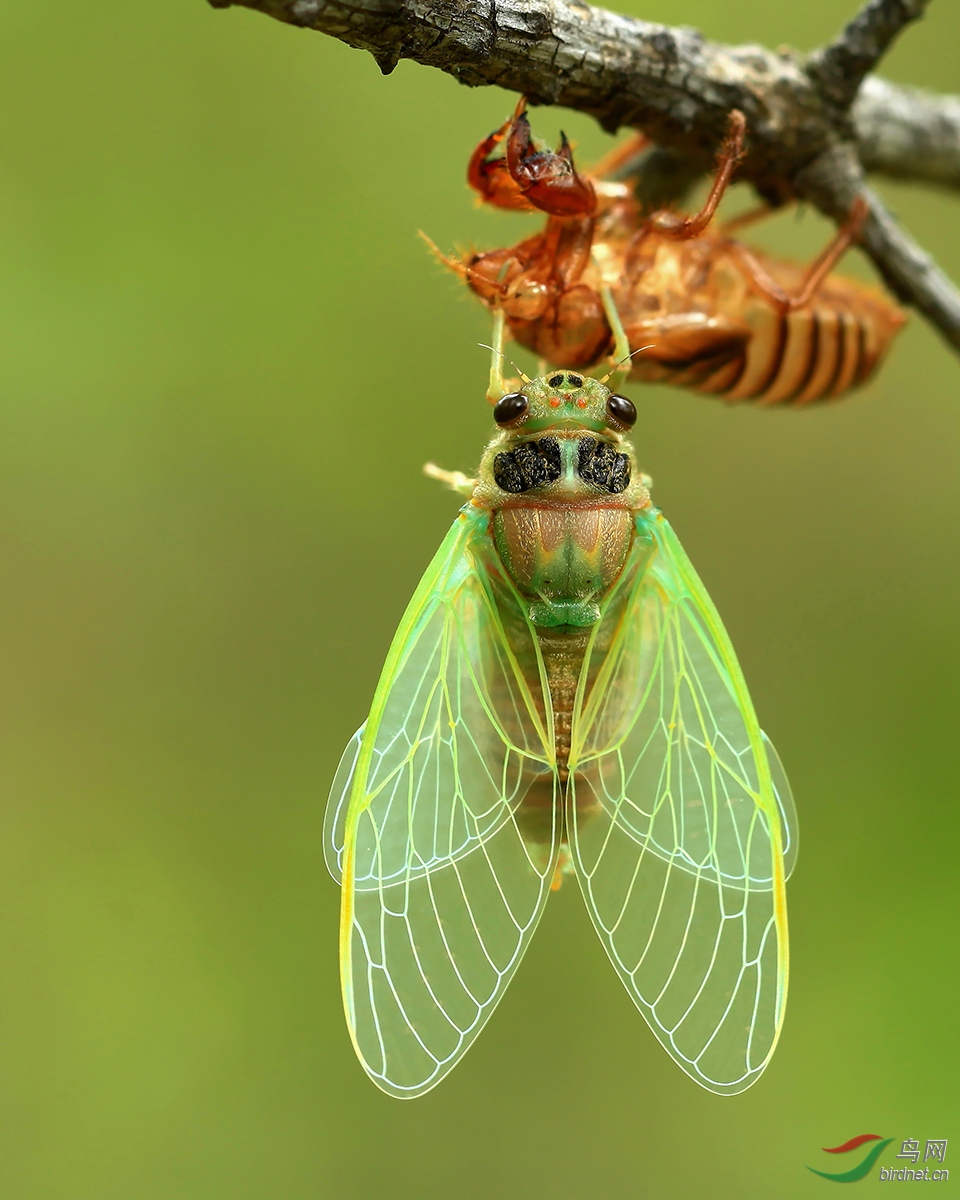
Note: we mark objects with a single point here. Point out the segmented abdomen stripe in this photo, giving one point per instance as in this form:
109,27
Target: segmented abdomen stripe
849,359
800,357
764,355
872,347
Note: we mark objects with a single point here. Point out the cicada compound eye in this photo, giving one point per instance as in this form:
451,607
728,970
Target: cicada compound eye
510,409
622,411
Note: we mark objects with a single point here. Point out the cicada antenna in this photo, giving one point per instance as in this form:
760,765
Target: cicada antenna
455,265
626,358
523,376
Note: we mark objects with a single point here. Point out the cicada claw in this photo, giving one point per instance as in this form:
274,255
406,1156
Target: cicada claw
526,178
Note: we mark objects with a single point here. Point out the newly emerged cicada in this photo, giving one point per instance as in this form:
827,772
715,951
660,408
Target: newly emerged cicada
718,316
561,698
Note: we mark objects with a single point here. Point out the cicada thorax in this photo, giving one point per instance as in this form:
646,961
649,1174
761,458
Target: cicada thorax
563,559
562,526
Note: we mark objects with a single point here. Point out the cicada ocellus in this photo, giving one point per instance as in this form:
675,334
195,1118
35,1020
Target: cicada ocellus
561,698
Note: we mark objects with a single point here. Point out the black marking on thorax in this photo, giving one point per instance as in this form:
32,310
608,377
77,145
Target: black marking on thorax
529,465
599,463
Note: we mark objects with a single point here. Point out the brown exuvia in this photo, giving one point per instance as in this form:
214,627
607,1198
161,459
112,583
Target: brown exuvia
717,316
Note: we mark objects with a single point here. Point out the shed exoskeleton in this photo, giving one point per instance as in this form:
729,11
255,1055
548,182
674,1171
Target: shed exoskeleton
718,317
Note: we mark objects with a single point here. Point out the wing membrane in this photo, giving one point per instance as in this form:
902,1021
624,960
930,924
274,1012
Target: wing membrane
677,829
441,891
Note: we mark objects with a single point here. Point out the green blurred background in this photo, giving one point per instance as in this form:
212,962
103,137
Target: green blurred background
224,356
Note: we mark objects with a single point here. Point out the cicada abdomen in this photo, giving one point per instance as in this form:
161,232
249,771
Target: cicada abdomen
724,338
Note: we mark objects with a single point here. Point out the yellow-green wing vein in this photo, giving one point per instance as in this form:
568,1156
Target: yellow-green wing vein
440,892
677,828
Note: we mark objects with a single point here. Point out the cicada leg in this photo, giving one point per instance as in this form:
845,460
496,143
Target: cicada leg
547,178
673,225
455,480
497,387
526,177
491,177
761,281
621,355
621,346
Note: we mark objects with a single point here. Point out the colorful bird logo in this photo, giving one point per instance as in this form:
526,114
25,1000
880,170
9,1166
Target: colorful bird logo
863,1167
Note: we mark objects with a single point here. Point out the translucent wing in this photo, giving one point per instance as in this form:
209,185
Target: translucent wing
679,816
441,892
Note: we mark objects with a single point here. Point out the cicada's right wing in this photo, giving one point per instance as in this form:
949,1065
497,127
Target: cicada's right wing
682,828
441,890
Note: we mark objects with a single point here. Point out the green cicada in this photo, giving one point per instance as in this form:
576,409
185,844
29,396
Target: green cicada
561,697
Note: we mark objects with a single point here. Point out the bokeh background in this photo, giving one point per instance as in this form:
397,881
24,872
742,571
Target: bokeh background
224,356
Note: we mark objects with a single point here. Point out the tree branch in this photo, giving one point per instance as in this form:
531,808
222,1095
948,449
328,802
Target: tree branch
841,67
907,133
805,140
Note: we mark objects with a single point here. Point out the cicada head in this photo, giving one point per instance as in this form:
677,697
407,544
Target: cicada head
564,400
562,441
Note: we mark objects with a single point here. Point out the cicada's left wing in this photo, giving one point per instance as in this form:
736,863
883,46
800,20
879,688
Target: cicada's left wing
680,819
442,883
